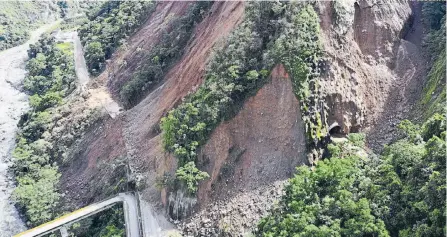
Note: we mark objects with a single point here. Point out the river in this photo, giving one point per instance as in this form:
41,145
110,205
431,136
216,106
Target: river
13,103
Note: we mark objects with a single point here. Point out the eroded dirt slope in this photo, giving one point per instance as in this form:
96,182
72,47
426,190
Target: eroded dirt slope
141,130
134,134
262,144
130,57
371,80
249,158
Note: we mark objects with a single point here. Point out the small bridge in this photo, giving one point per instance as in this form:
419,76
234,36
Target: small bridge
134,227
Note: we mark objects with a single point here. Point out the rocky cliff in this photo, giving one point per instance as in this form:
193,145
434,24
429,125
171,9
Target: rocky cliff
372,76
376,64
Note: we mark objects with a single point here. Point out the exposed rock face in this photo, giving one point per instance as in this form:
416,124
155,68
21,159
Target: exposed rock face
377,26
262,144
259,147
368,85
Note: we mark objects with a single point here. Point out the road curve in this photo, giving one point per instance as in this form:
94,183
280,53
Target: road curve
131,216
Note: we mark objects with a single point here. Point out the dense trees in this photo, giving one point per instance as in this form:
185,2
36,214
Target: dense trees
108,26
18,18
50,74
50,78
401,193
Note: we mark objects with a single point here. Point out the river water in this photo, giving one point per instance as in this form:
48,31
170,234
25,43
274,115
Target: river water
13,103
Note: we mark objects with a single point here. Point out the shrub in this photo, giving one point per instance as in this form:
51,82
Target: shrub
95,56
190,175
434,127
38,195
357,139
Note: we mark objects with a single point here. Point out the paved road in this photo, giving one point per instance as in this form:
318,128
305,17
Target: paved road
80,65
131,216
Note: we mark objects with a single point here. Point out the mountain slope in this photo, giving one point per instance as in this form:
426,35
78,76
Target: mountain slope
371,79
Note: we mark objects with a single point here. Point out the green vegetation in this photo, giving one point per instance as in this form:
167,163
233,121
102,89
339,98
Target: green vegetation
108,27
434,94
42,139
66,47
401,193
108,223
50,77
18,18
433,16
299,49
157,61
51,74
190,175
271,33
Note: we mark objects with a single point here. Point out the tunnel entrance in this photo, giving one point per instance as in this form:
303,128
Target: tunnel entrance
335,130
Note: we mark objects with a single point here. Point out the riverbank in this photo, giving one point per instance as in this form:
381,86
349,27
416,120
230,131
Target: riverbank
13,103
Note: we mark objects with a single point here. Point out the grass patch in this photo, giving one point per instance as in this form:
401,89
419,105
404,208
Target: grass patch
65,47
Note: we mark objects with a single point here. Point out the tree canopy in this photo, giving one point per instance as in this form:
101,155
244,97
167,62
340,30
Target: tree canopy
400,193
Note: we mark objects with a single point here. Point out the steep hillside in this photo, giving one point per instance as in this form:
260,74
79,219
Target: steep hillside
138,126
222,101
18,18
368,61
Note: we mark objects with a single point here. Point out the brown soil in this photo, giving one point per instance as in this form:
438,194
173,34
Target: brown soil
370,77
262,144
249,158
97,160
131,56
134,133
141,129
